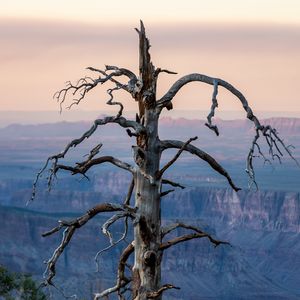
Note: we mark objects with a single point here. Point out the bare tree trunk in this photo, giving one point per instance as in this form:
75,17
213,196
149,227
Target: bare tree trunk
147,232
146,270
148,244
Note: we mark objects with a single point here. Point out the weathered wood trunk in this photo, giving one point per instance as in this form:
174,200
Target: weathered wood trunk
146,270
146,215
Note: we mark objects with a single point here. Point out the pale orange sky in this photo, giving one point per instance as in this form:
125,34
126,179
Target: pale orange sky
253,44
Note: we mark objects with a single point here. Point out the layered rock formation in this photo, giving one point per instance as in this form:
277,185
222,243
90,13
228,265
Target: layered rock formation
263,228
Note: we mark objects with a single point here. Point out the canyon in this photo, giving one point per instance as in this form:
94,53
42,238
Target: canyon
262,262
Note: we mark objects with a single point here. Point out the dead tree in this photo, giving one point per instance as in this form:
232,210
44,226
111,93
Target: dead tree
143,279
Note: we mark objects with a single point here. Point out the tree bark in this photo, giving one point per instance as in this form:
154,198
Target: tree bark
146,270
147,175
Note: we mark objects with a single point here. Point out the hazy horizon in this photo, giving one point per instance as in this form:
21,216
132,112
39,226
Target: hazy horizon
54,116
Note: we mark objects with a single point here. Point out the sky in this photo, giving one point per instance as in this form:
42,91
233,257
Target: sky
255,45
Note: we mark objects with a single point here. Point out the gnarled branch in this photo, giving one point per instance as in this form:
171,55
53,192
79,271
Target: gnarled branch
172,161
188,237
112,243
112,220
198,233
214,105
122,280
123,122
209,80
269,133
156,294
172,183
85,84
112,79
71,227
274,143
83,167
168,144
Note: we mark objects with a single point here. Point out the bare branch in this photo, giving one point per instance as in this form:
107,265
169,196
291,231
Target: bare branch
111,221
70,228
122,280
85,84
114,243
212,109
269,133
111,102
198,233
156,294
159,70
95,151
183,238
78,90
169,164
208,80
80,221
172,183
139,129
169,228
134,84
129,193
121,71
100,122
37,177
249,165
116,82
108,223
50,271
274,143
83,167
167,144
165,193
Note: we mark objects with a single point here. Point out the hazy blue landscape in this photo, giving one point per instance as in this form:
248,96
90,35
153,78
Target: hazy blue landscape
263,226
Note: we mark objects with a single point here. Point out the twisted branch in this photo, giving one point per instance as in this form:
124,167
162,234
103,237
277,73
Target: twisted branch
134,84
122,280
83,167
167,144
139,129
156,294
85,84
112,244
111,221
198,233
71,227
172,161
274,143
214,105
270,134
116,82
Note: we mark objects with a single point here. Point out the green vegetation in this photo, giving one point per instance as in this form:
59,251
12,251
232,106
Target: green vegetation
18,286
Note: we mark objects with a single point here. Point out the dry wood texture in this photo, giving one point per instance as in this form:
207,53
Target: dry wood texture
143,279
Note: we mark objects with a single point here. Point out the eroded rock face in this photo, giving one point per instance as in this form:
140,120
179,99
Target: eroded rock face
263,228
261,210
